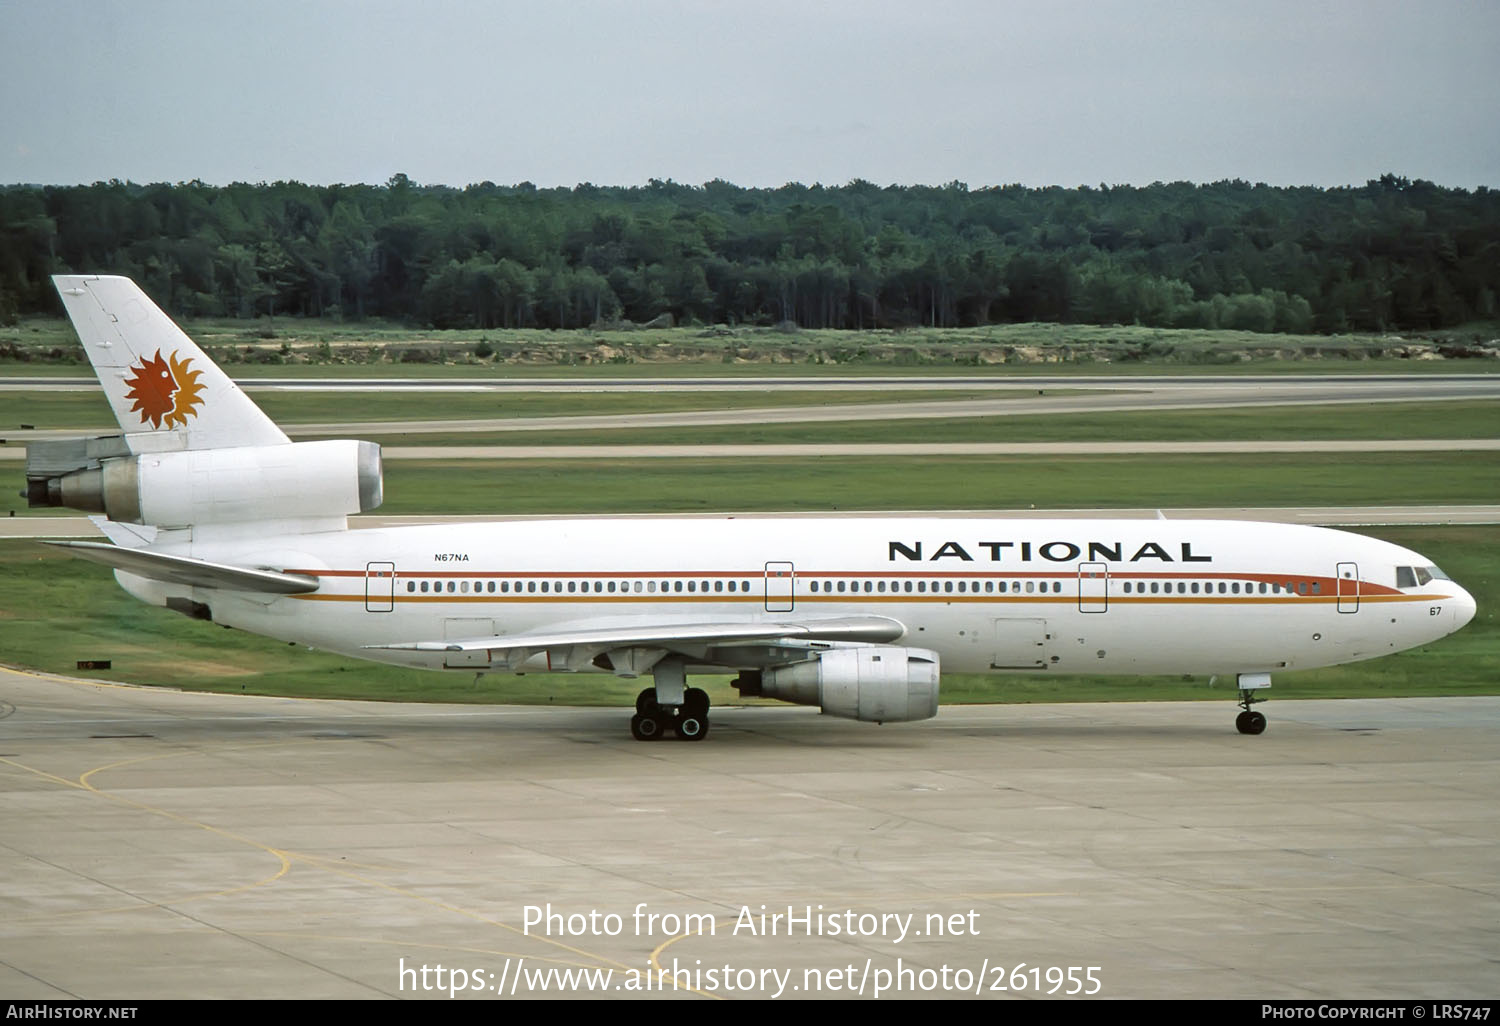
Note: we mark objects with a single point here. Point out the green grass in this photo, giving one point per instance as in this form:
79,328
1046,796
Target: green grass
281,347
55,610
945,482
827,483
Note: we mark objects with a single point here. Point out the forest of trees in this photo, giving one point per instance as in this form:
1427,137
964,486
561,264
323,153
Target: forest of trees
1394,254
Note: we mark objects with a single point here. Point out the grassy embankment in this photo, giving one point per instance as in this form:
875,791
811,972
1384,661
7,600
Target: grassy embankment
289,347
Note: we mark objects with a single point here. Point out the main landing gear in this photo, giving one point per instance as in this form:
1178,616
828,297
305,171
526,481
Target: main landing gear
653,720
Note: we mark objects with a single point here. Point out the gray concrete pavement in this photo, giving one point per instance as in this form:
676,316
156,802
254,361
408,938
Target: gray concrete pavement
1094,395
158,844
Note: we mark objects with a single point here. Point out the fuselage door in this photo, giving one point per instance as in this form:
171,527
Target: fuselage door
1019,644
380,587
1348,587
1093,588
780,581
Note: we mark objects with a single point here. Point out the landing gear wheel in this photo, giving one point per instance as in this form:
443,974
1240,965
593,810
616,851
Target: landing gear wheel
692,727
645,727
695,702
645,701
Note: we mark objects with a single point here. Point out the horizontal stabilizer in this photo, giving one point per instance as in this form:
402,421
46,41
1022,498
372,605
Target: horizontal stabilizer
198,573
877,629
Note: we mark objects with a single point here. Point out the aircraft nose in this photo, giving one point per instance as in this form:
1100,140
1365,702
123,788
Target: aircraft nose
1463,606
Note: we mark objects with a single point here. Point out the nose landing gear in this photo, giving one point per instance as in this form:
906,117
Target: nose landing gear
1249,721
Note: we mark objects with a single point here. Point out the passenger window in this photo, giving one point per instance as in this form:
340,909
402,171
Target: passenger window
1317,587
411,585
424,587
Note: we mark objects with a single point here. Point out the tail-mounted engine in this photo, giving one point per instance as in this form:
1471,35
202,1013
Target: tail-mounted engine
875,683
204,486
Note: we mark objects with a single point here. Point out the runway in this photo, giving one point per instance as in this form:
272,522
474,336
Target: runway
903,449
161,845
491,382
1098,394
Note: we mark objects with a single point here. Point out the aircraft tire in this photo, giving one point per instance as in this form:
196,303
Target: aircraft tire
692,727
695,703
645,701
1250,722
645,727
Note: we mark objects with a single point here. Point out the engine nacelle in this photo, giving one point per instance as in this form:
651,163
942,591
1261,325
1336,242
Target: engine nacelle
218,486
875,683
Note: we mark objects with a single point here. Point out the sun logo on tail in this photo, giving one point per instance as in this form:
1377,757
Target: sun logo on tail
164,391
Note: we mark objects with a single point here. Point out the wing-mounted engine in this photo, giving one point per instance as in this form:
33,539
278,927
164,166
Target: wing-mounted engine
875,683
205,486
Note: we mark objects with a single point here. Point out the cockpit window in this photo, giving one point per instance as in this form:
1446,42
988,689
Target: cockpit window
1437,574
1405,577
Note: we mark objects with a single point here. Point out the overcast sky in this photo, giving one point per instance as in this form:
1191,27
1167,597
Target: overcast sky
758,92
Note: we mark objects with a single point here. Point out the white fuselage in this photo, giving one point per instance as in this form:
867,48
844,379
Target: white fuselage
1061,596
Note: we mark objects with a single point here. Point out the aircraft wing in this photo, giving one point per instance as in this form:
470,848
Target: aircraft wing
198,573
874,629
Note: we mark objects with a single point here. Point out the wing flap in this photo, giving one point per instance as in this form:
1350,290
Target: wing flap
875,629
198,573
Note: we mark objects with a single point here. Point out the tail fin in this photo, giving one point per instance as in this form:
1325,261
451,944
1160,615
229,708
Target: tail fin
165,391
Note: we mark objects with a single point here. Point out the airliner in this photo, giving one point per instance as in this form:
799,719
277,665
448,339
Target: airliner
211,511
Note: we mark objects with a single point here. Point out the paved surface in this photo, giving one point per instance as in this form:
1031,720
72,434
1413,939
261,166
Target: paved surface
1329,516
480,382
158,844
